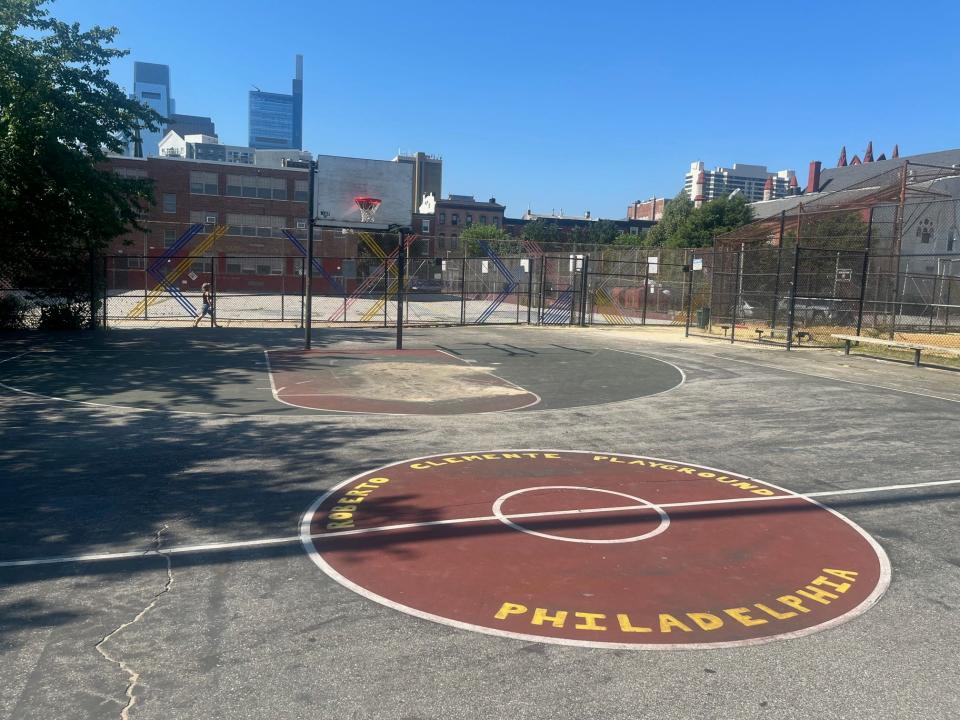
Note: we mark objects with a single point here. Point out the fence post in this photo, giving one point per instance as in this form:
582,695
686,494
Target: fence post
863,272
303,290
736,299
646,291
463,287
584,281
213,294
793,295
283,286
93,290
776,282
689,271
529,288
543,274
106,288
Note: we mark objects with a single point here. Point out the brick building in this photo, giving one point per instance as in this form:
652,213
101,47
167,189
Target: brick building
442,221
651,209
256,204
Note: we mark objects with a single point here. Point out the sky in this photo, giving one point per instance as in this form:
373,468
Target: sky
568,106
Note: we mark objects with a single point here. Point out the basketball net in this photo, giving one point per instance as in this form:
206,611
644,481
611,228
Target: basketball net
368,208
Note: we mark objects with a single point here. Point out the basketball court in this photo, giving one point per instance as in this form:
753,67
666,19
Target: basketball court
493,522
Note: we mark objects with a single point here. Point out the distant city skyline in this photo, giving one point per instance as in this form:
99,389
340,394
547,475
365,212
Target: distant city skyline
545,117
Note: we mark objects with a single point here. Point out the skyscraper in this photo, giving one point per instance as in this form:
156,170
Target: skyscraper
151,86
276,119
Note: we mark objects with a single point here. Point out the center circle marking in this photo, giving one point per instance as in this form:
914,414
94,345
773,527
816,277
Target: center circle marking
506,520
469,540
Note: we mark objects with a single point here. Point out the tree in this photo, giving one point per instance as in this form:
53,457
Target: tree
60,116
684,225
541,230
499,241
675,214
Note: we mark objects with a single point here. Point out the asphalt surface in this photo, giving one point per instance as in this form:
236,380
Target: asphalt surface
260,632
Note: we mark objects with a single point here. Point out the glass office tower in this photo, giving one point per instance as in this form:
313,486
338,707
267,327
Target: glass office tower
151,86
276,120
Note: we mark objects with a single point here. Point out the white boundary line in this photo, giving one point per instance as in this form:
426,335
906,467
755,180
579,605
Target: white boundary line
324,414
15,357
882,583
835,379
266,542
400,414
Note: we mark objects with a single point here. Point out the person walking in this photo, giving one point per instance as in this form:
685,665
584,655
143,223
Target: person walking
208,303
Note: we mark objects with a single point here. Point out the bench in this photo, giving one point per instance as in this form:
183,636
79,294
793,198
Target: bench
899,344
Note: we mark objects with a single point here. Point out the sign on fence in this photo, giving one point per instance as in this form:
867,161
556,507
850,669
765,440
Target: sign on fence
652,263
698,263
844,274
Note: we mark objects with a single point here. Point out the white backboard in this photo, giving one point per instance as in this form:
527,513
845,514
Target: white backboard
341,179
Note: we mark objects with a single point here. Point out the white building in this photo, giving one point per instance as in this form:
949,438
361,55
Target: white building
755,182
209,147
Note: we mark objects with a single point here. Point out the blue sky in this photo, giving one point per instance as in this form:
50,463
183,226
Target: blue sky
572,105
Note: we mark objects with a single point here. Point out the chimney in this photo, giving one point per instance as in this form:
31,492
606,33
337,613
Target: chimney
813,178
794,186
868,155
881,156
896,152
586,215
842,162
768,189
855,161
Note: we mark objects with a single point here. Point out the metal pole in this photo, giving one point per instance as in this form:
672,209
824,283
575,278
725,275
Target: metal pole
863,272
308,310
529,288
106,288
686,331
776,282
283,287
543,274
898,248
93,289
736,297
584,282
401,272
646,291
463,287
213,294
793,294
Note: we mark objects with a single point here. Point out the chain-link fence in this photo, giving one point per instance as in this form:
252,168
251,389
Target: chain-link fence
889,272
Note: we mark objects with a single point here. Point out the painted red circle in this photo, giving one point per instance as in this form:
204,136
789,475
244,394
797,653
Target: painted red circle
596,549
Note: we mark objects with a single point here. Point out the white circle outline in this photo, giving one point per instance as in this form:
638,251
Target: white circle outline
662,526
883,581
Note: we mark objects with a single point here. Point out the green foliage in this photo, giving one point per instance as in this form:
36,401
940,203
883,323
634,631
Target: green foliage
13,312
64,316
832,230
541,230
684,225
641,239
499,241
59,117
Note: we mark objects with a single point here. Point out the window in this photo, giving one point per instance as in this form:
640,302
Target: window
496,221
455,219
443,219
253,186
483,219
204,183
169,238
301,190
924,230
255,266
441,243
129,172
205,217
454,244
169,202
150,95
130,262
952,239
424,226
469,219
202,264
256,225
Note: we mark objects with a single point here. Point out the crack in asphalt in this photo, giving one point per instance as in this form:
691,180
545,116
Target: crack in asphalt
132,674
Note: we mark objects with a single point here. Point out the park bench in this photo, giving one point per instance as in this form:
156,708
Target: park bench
898,344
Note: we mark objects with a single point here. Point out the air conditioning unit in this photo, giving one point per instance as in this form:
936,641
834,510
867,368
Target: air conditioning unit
301,224
211,219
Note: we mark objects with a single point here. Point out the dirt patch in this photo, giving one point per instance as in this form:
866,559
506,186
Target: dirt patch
424,382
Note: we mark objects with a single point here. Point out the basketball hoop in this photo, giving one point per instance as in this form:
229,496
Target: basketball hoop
368,208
